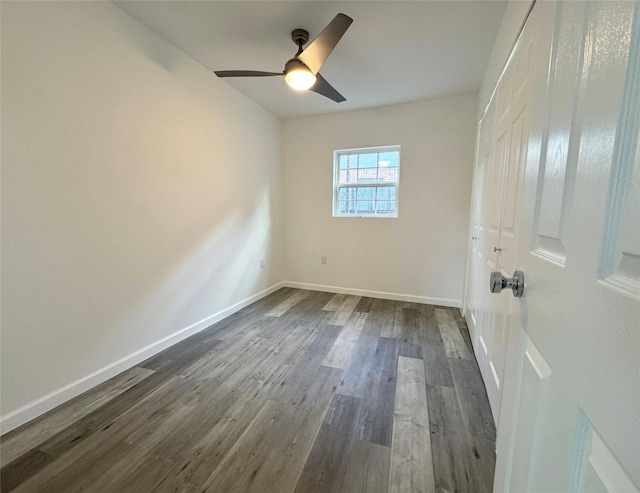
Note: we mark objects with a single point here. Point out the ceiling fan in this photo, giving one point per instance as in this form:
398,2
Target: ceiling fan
301,72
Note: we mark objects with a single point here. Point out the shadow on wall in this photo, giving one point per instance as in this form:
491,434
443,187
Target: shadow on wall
218,272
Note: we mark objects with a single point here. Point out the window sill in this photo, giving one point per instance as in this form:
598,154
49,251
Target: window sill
368,216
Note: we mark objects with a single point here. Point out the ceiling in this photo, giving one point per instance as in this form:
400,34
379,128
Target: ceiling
394,52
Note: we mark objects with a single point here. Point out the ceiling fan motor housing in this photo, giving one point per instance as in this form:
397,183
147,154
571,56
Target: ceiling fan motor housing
300,36
295,64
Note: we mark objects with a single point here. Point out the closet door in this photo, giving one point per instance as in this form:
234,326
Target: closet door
503,191
476,295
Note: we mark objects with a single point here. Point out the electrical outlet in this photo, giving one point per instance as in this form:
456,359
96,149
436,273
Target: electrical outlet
324,259
262,263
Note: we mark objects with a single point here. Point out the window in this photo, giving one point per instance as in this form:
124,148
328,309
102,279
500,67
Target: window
365,182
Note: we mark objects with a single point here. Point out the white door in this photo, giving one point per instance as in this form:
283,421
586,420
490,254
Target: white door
571,397
501,165
476,296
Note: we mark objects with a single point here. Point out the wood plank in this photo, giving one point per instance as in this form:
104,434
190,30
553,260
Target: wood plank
366,468
334,303
375,420
411,330
445,415
483,453
410,351
464,329
29,436
412,305
344,311
312,303
472,398
282,307
411,457
458,461
435,359
321,472
436,365
454,343
356,375
26,466
392,326
365,304
340,353
265,304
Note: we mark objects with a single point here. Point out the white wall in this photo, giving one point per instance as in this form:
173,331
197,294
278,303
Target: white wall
421,254
138,194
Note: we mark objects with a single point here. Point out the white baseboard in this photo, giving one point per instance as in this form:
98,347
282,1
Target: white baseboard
375,294
47,402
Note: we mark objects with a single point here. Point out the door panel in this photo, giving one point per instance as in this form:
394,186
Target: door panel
504,95
477,255
496,188
598,470
562,136
512,179
620,261
534,375
476,294
491,332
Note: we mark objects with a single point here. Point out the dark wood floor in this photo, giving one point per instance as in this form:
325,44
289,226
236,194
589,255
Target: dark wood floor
300,392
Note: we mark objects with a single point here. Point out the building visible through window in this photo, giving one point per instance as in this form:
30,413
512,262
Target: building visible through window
365,182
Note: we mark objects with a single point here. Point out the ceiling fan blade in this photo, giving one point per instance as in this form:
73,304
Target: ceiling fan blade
245,73
325,89
314,55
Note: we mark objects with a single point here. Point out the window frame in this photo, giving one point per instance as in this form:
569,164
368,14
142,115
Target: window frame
336,180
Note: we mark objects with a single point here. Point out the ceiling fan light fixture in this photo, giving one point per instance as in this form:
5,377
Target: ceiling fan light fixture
298,75
300,79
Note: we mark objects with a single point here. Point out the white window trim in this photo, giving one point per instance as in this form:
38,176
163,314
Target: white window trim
336,171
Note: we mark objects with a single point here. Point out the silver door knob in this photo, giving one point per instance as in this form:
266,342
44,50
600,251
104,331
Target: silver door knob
498,282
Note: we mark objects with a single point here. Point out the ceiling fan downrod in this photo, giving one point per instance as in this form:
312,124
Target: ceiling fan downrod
300,37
